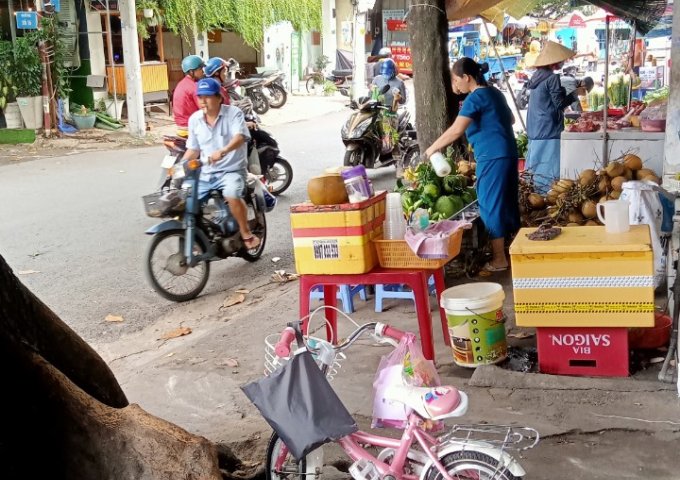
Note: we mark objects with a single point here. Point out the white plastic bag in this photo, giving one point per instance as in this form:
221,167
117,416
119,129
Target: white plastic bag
649,204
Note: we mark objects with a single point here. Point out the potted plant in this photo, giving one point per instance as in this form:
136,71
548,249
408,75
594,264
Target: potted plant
151,16
8,105
84,118
113,107
27,78
329,88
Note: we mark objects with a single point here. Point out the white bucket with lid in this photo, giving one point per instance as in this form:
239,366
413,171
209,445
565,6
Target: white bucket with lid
476,323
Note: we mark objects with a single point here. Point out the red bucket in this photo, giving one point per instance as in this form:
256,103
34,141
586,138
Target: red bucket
652,337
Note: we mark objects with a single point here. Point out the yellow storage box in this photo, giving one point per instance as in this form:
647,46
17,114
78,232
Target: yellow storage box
584,277
336,239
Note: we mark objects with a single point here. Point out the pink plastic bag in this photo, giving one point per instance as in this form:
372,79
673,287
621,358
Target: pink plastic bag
406,365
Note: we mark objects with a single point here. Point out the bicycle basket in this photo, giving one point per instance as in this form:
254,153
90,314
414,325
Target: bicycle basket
272,361
165,204
300,405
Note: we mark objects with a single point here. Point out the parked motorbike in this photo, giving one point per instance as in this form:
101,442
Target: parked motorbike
520,83
273,87
363,137
276,171
342,80
252,87
195,233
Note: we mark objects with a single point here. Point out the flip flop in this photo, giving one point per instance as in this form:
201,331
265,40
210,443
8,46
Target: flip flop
251,242
490,268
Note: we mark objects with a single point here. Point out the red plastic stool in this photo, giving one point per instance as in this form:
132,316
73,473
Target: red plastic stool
415,279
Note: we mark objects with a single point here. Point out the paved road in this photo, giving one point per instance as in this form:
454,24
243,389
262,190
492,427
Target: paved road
79,221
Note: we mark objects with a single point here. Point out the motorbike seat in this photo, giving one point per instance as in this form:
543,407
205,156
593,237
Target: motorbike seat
432,403
246,82
342,73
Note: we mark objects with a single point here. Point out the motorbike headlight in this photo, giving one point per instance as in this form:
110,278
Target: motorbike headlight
362,127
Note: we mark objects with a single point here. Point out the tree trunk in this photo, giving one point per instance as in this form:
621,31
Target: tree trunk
436,106
66,417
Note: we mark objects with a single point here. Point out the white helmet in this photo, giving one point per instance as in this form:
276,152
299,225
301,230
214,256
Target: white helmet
385,52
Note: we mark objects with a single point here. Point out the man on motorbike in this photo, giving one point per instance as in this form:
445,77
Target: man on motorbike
216,68
184,99
218,134
386,53
388,76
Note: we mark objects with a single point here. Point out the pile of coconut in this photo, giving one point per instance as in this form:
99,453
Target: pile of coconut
574,202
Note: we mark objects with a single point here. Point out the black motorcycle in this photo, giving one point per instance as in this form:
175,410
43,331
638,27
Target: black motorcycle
275,170
363,136
195,233
273,87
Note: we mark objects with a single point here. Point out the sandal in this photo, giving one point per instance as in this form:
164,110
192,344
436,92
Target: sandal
251,242
490,268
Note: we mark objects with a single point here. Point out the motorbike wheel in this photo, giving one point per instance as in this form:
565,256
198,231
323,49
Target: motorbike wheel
258,225
279,176
260,102
411,157
277,95
165,277
354,158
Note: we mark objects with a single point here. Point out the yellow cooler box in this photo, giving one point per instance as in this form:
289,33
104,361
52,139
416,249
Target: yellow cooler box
584,277
336,239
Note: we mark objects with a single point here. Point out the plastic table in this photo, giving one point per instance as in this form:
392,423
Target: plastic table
416,279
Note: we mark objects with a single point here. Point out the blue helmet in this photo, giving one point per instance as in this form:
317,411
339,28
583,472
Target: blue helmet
388,68
207,87
192,62
213,66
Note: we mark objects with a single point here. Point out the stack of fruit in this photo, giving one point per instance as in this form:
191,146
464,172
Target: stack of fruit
574,202
441,197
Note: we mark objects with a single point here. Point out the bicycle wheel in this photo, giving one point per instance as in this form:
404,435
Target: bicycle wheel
471,465
280,464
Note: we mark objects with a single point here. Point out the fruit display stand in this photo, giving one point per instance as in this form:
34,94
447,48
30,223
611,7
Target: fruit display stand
582,290
579,151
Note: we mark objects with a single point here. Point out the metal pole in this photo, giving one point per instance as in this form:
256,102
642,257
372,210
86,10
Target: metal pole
109,45
507,81
605,135
12,21
631,64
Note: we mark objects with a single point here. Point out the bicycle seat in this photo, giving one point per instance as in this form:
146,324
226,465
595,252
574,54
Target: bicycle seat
432,403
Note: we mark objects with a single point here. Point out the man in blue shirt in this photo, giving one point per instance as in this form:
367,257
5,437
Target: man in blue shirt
218,135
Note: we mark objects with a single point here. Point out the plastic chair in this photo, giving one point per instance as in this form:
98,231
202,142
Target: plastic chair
346,294
398,291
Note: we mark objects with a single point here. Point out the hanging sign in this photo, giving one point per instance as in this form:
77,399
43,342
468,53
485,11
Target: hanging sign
27,20
394,25
577,21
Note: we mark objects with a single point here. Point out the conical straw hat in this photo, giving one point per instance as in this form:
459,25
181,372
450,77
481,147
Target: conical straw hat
553,53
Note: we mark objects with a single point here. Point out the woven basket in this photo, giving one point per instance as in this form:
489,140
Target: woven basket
397,254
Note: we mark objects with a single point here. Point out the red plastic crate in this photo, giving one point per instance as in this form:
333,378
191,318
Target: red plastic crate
586,352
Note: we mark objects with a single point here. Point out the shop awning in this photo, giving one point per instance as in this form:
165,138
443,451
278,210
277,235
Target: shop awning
645,13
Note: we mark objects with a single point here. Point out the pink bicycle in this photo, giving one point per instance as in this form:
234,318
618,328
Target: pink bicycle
470,452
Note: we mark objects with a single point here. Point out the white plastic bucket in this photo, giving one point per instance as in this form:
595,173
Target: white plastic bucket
476,323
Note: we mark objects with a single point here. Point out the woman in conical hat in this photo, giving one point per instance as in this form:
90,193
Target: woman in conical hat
545,115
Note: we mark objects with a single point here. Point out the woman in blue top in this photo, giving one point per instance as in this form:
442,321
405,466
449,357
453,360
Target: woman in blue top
487,121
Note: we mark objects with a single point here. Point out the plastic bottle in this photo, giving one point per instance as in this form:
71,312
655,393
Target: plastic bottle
440,164
420,219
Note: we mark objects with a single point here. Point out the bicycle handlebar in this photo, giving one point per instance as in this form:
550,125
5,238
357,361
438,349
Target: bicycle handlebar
283,346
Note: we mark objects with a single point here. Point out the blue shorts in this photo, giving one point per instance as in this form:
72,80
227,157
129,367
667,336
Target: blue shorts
231,184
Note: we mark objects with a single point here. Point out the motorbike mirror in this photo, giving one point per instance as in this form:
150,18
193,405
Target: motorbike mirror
385,89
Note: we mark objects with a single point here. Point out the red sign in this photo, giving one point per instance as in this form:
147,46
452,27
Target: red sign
396,25
577,21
